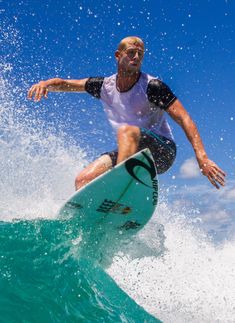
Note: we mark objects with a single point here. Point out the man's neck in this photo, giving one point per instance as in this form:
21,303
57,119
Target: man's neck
125,80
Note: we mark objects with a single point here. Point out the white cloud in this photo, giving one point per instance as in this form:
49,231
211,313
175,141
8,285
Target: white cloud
181,204
231,195
189,169
208,209
219,216
215,208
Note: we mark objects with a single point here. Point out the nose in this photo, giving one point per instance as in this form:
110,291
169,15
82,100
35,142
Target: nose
137,55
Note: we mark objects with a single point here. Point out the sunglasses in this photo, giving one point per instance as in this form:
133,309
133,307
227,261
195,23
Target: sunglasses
131,52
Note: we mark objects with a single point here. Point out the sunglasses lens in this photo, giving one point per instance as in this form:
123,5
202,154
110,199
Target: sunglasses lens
132,53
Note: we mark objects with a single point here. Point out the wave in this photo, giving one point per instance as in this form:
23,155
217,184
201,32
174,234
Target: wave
43,279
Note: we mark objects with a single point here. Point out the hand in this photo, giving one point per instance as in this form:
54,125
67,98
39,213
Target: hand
38,91
215,175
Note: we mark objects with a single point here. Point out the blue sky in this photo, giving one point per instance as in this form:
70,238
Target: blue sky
190,45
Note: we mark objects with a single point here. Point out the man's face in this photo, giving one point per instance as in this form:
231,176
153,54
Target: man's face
131,57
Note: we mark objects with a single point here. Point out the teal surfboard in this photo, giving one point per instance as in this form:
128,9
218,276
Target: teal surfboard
116,204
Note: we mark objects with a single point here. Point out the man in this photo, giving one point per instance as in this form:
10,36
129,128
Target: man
135,104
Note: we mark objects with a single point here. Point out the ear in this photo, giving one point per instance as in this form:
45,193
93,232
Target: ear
117,54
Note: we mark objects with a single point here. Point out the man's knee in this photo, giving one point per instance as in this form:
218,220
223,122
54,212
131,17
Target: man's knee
131,132
81,179
100,166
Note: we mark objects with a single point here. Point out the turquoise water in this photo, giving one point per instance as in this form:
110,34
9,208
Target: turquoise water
43,279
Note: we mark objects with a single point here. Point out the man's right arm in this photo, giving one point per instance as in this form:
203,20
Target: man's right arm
41,89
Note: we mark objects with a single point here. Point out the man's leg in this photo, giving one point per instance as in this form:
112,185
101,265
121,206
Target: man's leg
128,141
93,170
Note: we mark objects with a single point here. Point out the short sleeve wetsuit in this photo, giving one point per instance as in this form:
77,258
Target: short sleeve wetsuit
143,105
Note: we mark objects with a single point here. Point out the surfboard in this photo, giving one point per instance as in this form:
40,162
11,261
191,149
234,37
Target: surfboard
116,204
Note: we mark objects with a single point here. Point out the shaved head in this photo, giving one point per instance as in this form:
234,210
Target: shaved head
130,40
129,56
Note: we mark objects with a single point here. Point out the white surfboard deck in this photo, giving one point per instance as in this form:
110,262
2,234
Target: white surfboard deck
118,203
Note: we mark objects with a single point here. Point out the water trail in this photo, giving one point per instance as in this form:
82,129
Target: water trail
38,166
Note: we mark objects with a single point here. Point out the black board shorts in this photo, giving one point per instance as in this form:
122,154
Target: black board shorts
162,149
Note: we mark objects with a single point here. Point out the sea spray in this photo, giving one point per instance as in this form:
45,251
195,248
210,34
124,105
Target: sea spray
38,166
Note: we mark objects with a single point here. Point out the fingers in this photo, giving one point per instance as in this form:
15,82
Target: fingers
37,91
220,171
213,182
46,94
220,179
216,177
216,181
219,176
31,91
40,92
37,96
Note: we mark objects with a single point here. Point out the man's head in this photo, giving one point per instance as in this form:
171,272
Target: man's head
130,53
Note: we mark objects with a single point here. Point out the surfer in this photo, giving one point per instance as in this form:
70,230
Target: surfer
135,104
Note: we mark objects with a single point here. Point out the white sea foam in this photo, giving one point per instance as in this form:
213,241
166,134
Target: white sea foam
191,280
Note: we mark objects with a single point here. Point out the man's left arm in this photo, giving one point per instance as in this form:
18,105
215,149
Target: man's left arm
178,113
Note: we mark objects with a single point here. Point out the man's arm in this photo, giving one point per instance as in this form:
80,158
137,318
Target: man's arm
207,166
42,88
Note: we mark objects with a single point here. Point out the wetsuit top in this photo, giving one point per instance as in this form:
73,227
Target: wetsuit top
142,105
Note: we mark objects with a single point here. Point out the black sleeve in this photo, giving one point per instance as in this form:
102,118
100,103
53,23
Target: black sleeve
93,86
160,94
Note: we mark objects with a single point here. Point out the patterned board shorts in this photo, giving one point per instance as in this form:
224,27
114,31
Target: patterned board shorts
162,149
